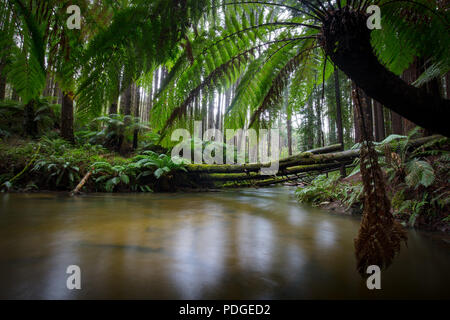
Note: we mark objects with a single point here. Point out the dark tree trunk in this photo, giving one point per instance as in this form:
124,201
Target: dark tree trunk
379,121
289,134
346,40
113,108
310,125
126,108
320,141
355,118
29,123
447,85
366,108
2,83
340,131
67,117
397,123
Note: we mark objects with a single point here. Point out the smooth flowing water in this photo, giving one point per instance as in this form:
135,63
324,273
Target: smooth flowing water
242,244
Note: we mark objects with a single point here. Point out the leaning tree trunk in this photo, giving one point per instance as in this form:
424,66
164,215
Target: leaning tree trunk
380,235
67,117
346,40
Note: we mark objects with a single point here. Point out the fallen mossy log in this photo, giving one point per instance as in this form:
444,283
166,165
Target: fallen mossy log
279,179
284,172
322,150
302,159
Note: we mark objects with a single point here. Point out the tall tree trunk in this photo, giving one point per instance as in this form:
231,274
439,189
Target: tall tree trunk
211,111
379,121
126,108
219,111
289,133
113,108
126,111
355,117
346,40
340,130
29,123
137,101
397,123
447,85
67,117
2,82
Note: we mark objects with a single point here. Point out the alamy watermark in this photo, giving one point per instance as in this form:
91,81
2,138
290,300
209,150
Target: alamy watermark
74,280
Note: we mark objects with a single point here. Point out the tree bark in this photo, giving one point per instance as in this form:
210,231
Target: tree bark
126,110
2,83
379,121
397,123
113,108
29,123
67,117
346,40
340,131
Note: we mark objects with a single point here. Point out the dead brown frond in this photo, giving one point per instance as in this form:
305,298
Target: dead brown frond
380,235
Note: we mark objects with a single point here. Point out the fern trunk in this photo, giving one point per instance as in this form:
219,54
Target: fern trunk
346,40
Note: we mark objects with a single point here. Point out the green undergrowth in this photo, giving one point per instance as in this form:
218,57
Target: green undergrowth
55,165
417,182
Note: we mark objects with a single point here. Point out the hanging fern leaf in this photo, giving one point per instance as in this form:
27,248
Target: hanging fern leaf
419,172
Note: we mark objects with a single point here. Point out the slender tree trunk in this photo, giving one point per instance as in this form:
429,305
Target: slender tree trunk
29,123
67,117
397,123
340,131
126,111
319,121
113,108
310,125
136,115
211,111
219,111
355,117
289,133
379,121
2,83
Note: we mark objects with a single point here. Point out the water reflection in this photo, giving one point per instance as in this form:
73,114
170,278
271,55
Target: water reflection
245,244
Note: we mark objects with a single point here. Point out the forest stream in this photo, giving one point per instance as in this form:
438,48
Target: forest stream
238,244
